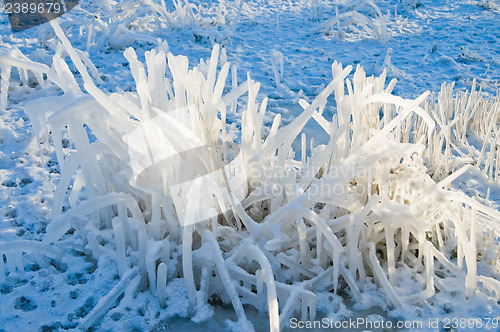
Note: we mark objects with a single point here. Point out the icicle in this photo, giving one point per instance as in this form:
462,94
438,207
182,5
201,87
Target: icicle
303,138
142,242
121,256
390,249
4,84
202,294
165,255
156,224
187,263
161,284
471,277
234,82
151,269
429,271
277,61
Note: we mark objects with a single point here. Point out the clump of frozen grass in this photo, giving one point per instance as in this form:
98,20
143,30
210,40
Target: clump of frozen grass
361,20
27,72
270,230
117,24
468,114
316,9
389,67
278,64
489,5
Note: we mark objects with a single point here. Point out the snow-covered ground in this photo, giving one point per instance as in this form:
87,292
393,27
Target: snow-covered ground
286,46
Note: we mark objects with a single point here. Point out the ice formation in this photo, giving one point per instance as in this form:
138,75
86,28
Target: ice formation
361,20
370,206
35,252
109,24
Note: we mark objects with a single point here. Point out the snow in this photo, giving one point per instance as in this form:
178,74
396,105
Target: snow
81,244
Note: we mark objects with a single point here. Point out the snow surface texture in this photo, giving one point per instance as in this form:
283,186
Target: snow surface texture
289,227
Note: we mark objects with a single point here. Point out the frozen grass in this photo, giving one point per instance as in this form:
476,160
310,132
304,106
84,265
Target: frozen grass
358,20
115,25
263,226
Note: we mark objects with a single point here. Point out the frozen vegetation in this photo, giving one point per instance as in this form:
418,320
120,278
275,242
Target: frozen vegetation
162,185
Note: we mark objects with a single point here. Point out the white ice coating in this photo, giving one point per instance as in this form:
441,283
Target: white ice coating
366,207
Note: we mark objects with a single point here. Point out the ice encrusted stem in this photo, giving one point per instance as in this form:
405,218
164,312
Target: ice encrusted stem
253,252
128,283
381,278
187,263
121,257
61,225
161,283
226,278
